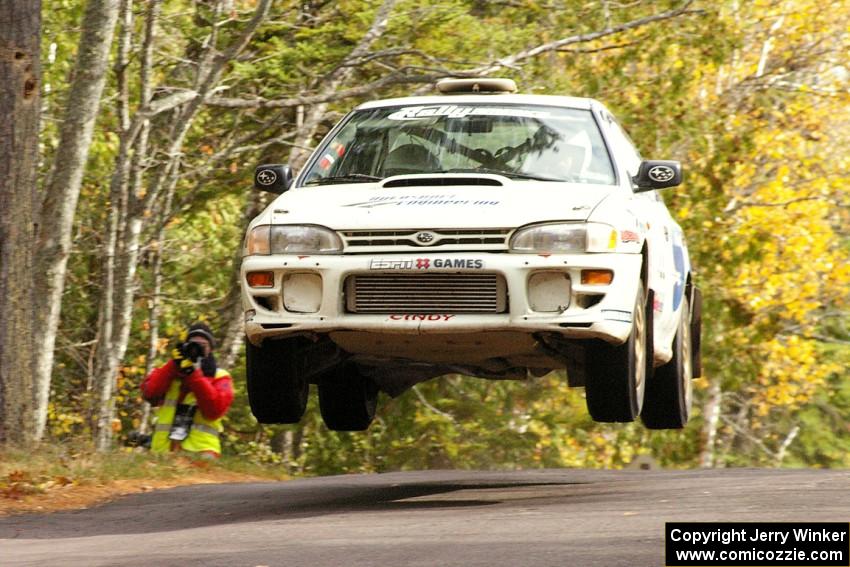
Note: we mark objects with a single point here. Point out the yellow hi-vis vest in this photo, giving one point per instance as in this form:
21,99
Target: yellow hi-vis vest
204,435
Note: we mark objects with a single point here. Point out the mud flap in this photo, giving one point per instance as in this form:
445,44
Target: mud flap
650,334
696,330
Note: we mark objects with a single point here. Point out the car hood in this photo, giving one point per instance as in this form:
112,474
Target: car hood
368,206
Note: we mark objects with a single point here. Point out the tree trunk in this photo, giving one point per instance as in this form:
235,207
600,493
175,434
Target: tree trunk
231,330
783,448
153,325
63,188
20,103
711,411
108,358
136,180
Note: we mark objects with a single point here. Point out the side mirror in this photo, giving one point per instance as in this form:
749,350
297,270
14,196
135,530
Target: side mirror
274,178
657,174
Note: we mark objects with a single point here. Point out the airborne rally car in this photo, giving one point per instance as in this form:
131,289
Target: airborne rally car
478,232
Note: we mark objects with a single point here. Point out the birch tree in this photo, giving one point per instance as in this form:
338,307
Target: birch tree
62,189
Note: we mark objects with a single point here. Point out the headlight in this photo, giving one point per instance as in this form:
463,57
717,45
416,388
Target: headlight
292,239
565,238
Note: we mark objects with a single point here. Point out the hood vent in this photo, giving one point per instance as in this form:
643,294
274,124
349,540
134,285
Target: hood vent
441,181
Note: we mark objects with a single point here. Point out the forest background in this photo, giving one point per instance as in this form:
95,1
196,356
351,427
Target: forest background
152,114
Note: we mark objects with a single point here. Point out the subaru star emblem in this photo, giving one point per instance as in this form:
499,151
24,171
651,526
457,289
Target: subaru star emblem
425,237
266,177
661,173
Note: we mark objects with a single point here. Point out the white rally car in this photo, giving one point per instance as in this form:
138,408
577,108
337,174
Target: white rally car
477,232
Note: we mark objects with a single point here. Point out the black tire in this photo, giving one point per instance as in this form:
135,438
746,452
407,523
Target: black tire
277,393
347,400
616,375
667,404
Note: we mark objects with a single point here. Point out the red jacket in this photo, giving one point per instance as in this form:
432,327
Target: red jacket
214,395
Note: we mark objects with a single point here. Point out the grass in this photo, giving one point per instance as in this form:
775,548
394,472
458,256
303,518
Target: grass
33,477
80,461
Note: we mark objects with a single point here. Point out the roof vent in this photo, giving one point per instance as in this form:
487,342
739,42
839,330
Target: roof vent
475,86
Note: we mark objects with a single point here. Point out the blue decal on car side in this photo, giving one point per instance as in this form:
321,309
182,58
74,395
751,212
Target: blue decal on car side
679,264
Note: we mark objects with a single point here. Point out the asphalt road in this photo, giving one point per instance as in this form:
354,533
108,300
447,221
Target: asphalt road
440,518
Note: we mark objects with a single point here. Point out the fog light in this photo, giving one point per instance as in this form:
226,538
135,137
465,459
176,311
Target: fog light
260,279
597,277
549,292
302,293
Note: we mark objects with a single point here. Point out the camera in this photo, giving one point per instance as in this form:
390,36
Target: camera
182,425
192,351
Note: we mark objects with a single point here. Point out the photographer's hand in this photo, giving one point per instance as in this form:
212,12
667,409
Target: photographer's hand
192,354
156,384
183,363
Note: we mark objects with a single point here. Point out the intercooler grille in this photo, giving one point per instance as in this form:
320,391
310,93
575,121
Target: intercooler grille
425,293
465,239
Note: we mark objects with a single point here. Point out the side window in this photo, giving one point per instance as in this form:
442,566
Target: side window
624,149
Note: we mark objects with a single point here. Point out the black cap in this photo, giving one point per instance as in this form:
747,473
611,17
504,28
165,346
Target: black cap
201,330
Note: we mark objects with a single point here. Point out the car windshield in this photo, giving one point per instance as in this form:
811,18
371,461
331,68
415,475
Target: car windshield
523,142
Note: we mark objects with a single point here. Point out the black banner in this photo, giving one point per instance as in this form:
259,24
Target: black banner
757,544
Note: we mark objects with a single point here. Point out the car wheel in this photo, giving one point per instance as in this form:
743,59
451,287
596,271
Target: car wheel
669,392
347,400
277,393
616,375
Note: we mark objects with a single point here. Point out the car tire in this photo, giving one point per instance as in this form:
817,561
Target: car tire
669,393
616,375
347,400
277,393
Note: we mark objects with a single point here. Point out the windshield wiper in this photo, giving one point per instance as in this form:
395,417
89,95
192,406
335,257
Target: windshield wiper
508,174
348,178
516,175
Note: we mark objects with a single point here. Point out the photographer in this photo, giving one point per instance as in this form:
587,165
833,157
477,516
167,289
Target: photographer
193,395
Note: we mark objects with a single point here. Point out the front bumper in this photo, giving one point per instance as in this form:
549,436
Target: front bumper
594,311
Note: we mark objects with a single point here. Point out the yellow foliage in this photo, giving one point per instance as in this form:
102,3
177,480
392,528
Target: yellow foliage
783,259
60,422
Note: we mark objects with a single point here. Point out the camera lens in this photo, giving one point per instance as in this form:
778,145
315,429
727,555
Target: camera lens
193,351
